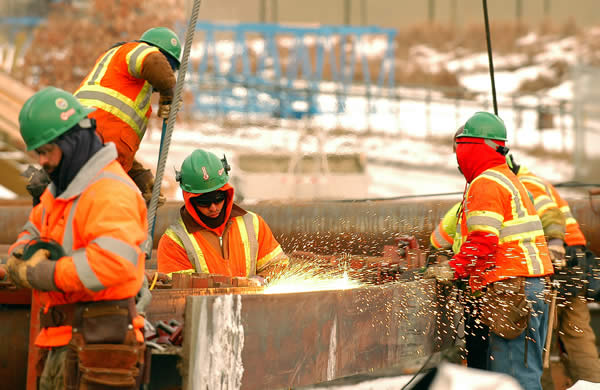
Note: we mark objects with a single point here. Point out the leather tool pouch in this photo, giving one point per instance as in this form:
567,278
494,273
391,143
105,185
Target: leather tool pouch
105,322
109,355
504,308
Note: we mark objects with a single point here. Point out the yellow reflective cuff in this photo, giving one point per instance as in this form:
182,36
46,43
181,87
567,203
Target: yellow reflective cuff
571,221
485,213
271,257
185,271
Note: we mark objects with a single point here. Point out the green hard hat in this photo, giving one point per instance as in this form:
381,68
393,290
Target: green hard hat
48,114
165,39
203,172
484,125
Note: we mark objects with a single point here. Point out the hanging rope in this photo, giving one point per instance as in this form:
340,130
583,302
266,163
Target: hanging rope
165,139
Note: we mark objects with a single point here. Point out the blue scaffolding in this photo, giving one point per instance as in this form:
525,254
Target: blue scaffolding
283,86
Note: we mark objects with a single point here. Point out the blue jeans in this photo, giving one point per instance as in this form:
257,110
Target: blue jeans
508,356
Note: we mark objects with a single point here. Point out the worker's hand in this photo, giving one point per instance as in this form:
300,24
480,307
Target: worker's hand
36,273
256,281
557,252
164,106
441,272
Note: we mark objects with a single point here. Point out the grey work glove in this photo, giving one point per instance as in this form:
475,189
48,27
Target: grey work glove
37,181
557,251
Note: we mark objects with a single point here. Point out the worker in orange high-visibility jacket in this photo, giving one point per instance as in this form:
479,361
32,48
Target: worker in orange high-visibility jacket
213,234
576,336
120,86
503,251
80,248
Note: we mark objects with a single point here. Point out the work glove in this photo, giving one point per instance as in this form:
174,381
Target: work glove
37,181
144,180
257,280
164,106
441,272
557,253
35,273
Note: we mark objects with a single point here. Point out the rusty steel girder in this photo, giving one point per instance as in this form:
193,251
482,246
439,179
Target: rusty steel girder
289,340
328,227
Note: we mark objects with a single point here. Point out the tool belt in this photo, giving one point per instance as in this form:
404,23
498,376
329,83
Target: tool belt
504,308
104,352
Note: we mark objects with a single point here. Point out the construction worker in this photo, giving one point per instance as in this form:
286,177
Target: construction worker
502,252
214,235
79,250
120,85
476,333
574,333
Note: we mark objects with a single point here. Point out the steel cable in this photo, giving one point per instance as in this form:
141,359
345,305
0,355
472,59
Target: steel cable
165,140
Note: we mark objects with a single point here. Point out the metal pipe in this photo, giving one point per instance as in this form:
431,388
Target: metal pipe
333,227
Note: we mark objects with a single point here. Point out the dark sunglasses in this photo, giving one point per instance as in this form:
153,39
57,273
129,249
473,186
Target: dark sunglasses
209,198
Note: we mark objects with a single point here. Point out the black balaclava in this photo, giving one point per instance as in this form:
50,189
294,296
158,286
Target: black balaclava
78,145
213,223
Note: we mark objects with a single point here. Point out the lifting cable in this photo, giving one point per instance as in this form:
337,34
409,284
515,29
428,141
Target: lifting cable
167,128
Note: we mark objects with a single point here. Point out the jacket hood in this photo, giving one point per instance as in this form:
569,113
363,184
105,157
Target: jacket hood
189,207
474,156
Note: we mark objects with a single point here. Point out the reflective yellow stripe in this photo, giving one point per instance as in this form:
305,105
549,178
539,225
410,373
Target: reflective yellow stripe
484,228
136,57
100,68
173,236
543,203
244,236
117,104
197,250
267,259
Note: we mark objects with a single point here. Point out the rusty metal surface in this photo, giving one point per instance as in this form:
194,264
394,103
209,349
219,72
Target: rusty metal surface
288,340
14,333
333,227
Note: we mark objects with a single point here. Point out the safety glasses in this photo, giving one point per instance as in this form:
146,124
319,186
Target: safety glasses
209,198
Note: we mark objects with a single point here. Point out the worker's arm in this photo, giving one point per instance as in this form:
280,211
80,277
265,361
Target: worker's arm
271,259
113,229
484,218
553,220
157,71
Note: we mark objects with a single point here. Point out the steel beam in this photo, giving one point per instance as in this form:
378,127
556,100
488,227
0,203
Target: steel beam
288,340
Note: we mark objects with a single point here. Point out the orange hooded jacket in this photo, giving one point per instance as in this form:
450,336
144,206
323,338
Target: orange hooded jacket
100,221
242,246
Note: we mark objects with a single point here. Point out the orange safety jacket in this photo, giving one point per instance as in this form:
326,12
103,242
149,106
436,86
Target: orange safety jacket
251,247
443,235
121,97
547,197
100,221
497,205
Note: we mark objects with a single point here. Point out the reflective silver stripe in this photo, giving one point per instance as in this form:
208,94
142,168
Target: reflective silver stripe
68,240
87,174
85,272
147,90
542,203
491,144
513,189
444,244
100,66
252,241
44,212
116,103
567,214
118,247
183,235
526,227
31,228
483,220
133,59
535,262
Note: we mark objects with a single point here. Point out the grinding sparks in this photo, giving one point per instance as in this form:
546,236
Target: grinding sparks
302,278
